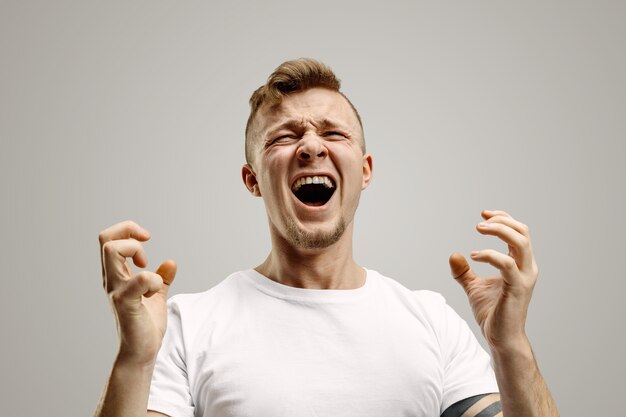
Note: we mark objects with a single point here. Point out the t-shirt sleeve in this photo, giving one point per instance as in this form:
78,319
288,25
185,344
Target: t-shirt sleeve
467,369
169,390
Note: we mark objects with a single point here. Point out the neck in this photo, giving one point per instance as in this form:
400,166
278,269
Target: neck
332,267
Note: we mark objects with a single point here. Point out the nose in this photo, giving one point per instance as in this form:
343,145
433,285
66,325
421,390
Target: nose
311,146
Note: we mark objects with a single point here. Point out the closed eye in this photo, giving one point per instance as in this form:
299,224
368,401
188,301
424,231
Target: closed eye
282,139
333,134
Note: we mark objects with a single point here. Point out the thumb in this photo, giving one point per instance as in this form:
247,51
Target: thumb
461,270
167,271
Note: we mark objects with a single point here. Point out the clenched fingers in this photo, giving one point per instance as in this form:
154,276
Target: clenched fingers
502,262
487,214
129,293
514,234
516,225
507,267
114,254
123,230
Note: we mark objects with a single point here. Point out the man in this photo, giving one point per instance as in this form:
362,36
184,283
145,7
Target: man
309,332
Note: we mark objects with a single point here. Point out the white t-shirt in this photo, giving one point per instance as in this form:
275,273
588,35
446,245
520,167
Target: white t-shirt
251,347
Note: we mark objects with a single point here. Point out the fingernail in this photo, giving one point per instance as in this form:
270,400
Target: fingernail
474,254
483,224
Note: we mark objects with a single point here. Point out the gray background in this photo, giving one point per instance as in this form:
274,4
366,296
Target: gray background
135,110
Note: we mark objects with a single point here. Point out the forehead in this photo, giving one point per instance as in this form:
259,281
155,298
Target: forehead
318,106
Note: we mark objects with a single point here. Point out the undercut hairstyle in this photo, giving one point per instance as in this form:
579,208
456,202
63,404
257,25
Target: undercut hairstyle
291,77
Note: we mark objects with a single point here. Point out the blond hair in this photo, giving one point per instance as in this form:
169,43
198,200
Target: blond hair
291,77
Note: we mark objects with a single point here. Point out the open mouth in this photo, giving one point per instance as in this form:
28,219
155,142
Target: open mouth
313,191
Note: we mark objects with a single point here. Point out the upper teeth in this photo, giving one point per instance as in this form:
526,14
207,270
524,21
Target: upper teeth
322,179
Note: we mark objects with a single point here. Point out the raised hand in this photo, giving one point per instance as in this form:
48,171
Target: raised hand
139,301
500,302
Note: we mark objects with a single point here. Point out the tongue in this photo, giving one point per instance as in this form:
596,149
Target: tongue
315,203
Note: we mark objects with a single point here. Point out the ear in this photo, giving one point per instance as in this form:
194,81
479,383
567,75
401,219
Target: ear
249,179
368,168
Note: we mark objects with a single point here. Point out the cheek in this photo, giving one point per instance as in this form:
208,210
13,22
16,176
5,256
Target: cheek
273,170
351,161
277,156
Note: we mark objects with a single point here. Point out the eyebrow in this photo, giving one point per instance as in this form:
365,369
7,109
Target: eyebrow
326,123
290,124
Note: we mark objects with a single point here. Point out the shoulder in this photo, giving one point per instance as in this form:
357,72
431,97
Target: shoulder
226,294
427,306
426,300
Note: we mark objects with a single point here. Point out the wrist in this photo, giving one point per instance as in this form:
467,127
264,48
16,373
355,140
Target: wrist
515,350
129,357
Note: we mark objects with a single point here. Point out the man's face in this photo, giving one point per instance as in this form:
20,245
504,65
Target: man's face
308,166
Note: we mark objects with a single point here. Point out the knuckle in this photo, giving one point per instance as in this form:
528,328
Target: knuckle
498,226
108,248
509,263
524,243
143,277
525,228
130,225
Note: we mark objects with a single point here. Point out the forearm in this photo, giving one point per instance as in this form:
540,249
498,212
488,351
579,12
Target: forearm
523,390
126,392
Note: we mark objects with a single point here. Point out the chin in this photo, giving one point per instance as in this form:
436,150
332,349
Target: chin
314,239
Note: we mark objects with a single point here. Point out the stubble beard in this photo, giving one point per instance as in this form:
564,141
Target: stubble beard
314,240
